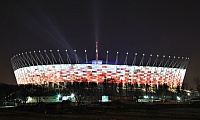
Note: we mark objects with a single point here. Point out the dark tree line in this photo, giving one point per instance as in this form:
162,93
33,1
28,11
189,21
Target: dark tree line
7,92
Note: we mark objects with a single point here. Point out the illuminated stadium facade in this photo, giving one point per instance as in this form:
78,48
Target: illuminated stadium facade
57,70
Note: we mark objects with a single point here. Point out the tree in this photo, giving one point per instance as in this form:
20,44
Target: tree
197,82
185,86
147,86
7,92
162,90
79,90
178,89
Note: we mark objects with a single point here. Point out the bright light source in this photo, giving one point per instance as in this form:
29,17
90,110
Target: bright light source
178,98
72,95
29,98
104,99
146,96
188,94
59,96
65,98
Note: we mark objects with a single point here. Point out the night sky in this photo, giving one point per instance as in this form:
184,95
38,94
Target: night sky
152,26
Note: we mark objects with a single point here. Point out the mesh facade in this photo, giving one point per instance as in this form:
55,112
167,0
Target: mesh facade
44,68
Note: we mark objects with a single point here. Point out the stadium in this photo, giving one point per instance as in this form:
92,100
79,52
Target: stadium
57,71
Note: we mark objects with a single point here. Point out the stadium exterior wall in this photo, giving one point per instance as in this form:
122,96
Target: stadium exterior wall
43,68
42,74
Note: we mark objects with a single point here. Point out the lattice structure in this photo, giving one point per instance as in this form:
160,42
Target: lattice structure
43,67
42,74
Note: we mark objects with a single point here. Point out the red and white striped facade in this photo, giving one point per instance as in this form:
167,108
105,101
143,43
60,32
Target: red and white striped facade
44,67
42,74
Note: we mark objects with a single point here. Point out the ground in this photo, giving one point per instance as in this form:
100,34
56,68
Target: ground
103,114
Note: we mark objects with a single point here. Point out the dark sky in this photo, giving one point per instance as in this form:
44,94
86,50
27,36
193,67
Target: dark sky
169,27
